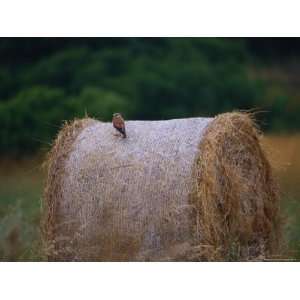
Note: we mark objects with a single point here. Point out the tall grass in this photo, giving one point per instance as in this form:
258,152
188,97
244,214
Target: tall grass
20,202
283,151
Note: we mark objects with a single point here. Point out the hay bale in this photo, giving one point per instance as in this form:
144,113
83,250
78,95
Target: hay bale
186,189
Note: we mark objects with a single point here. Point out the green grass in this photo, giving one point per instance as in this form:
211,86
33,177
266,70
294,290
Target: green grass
20,207
291,229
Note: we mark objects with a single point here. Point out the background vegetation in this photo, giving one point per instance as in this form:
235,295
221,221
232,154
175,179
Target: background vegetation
44,81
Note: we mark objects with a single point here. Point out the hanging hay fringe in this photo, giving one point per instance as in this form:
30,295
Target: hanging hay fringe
189,189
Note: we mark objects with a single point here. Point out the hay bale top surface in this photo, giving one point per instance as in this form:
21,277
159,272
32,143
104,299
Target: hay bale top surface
159,149
161,137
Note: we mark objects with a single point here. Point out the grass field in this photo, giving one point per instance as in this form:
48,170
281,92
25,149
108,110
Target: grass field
21,185
283,152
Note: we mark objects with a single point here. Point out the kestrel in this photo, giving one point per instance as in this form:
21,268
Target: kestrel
119,124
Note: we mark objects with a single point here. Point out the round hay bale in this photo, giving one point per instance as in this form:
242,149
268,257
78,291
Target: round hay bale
187,189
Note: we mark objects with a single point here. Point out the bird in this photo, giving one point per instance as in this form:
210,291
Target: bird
119,124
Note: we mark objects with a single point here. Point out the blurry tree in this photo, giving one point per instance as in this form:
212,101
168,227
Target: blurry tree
45,81
99,103
31,118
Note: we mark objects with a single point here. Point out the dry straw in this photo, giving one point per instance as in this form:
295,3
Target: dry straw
187,189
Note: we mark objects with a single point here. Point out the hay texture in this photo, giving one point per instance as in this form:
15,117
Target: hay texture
187,189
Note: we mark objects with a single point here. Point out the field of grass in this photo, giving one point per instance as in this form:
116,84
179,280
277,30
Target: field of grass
283,152
21,186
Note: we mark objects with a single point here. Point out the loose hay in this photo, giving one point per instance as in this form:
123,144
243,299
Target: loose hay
186,189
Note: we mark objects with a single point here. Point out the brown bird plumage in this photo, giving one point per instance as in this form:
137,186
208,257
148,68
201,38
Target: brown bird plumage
119,124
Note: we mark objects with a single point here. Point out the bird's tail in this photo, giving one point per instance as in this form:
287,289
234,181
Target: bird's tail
122,130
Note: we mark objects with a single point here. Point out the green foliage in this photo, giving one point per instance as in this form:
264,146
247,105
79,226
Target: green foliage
99,103
33,116
57,79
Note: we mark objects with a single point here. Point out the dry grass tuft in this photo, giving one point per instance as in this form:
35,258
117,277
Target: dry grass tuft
236,198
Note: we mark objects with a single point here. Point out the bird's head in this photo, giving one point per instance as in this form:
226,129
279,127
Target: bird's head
115,115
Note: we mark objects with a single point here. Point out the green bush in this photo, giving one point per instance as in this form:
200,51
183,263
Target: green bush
99,103
30,120
142,78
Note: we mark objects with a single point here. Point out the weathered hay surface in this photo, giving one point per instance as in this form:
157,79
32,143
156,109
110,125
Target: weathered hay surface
186,189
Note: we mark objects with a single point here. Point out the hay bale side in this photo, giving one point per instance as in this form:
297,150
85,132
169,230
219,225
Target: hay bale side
236,197
53,193
186,189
